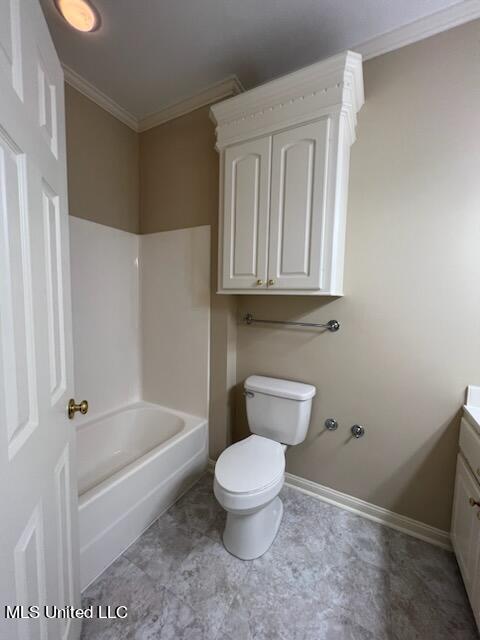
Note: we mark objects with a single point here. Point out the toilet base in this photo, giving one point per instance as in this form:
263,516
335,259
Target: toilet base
248,536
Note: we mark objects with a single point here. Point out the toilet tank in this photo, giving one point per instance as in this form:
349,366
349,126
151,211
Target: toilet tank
278,409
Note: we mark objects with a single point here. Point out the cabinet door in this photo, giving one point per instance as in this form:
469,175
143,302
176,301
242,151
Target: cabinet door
466,526
245,215
297,218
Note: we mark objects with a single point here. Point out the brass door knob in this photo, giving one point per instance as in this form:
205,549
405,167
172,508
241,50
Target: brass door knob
73,407
271,282
259,283
474,503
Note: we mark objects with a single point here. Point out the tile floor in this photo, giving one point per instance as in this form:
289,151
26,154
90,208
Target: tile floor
330,575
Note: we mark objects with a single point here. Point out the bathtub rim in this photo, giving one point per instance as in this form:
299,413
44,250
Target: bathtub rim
135,404
191,423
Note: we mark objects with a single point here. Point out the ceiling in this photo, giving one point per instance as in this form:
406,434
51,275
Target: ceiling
149,54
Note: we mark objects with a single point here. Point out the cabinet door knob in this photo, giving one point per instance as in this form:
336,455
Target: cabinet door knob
474,503
259,283
271,283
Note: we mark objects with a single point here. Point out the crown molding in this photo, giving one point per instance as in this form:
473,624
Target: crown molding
395,39
85,87
323,88
420,29
231,86
224,89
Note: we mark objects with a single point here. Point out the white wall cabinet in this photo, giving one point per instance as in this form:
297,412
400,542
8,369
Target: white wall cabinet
245,223
284,153
465,532
297,210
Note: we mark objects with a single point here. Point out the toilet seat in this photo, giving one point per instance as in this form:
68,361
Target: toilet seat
251,466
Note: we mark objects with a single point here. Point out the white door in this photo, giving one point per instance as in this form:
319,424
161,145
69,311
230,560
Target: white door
297,213
466,525
38,502
245,214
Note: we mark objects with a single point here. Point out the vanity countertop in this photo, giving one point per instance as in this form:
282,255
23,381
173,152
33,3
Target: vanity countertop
472,406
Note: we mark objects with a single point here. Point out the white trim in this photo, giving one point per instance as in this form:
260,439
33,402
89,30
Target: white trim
325,87
411,527
224,89
420,29
230,86
101,99
395,39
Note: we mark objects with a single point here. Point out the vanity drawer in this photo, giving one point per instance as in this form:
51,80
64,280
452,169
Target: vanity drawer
470,446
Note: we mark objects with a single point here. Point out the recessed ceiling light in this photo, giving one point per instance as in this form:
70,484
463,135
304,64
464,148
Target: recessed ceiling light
80,14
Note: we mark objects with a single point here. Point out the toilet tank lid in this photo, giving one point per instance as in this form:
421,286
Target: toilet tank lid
280,388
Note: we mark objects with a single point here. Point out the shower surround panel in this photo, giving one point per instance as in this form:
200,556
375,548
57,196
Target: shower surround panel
105,301
141,325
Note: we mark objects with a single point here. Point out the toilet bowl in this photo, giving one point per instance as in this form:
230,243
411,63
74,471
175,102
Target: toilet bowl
250,474
248,478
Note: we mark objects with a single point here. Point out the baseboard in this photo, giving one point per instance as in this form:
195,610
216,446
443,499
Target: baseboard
438,537
420,530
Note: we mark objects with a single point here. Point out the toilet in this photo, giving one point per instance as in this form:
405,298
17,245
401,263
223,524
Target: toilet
250,474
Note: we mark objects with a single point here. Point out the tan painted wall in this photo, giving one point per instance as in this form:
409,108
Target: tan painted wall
179,189
179,174
103,165
410,320
410,337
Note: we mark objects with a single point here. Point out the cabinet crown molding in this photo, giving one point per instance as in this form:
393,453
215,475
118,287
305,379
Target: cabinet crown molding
335,84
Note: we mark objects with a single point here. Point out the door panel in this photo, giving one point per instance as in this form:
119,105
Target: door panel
65,555
10,45
54,292
47,113
16,311
297,218
38,493
247,180
30,573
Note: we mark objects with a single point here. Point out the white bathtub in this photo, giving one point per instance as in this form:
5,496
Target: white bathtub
132,465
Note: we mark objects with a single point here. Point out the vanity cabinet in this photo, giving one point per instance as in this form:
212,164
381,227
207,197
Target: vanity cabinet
465,532
284,157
